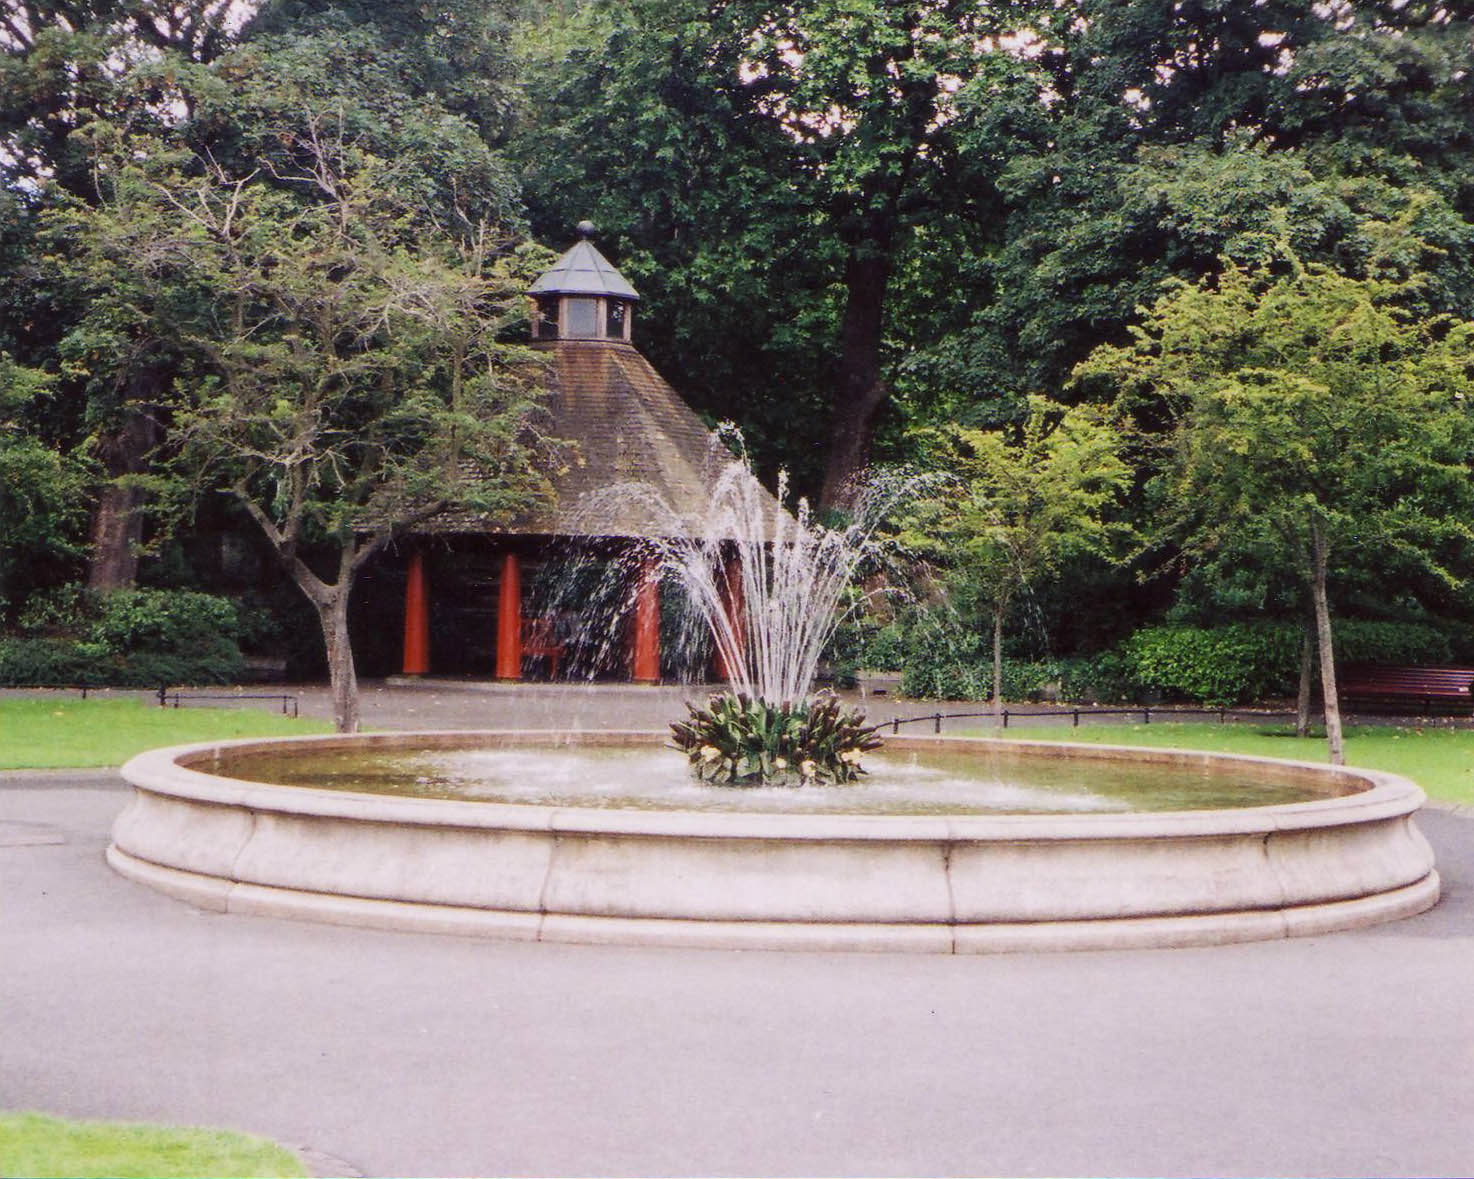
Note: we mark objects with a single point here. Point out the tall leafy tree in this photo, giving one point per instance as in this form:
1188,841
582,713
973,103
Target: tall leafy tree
454,50
766,165
1313,420
330,307
66,71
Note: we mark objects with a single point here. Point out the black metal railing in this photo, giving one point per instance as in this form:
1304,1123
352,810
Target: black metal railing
176,698
1145,711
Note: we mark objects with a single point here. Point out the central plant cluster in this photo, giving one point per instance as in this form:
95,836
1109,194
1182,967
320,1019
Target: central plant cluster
739,740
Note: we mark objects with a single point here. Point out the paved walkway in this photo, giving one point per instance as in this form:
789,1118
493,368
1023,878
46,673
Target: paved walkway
411,1054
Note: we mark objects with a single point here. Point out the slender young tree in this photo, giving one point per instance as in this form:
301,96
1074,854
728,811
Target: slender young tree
1022,500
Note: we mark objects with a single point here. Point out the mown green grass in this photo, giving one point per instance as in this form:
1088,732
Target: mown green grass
1439,759
34,1144
56,731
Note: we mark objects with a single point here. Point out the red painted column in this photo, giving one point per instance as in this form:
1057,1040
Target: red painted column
645,627
416,617
734,608
509,620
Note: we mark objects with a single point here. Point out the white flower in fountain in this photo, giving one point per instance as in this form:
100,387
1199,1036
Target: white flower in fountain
807,768
850,757
710,753
780,763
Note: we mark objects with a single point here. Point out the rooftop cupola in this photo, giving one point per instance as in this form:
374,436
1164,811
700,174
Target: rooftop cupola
582,297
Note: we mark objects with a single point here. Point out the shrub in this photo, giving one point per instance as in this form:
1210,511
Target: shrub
943,659
42,662
739,741
1103,678
62,610
1420,643
1215,665
128,638
1242,662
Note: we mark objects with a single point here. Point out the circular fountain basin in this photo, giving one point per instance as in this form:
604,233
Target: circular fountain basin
1347,855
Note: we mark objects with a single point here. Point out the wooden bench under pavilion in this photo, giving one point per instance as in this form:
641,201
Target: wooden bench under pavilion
641,467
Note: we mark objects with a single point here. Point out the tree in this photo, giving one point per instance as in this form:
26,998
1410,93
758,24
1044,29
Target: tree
1313,420
334,323
1019,502
65,72
42,502
766,167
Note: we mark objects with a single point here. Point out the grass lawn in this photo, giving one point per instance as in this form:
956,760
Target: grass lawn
1437,758
33,1144
57,731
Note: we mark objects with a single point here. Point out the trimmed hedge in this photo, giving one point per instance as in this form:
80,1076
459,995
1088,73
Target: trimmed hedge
1236,663
1242,662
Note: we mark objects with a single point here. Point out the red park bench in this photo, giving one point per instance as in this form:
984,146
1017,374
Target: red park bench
541,639
1402,689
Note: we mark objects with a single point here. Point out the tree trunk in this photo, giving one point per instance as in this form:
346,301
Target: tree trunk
858,390
117,519
1318,560
1302,700
332,614
331,602
998,666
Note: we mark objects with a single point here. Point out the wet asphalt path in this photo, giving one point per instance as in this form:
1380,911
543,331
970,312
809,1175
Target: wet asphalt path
411,1054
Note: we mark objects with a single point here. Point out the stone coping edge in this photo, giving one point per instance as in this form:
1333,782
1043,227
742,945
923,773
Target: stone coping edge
1125,933
1369,795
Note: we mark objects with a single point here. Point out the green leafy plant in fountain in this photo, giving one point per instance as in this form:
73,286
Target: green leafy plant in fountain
737,740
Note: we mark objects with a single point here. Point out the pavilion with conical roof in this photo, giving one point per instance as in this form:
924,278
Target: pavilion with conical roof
625,428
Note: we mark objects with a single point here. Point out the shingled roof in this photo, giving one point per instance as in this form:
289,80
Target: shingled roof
639,462
582,270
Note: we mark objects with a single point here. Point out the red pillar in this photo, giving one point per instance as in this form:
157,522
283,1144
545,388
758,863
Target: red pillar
416,617
509,620
733,608
645,628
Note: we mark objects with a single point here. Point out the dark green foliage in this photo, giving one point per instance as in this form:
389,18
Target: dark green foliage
39,663
1214,666
945,660
1421,644
739,741
129,638
170,622
1245,662
139,638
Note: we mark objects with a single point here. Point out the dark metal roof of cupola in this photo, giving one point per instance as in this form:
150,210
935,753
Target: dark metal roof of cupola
583,271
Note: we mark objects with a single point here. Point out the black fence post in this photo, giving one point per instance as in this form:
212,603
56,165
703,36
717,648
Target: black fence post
1146,716
895,725
163,695
938,720
1077,718
1005,718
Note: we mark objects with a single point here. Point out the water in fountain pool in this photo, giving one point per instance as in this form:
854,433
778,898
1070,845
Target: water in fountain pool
652,778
